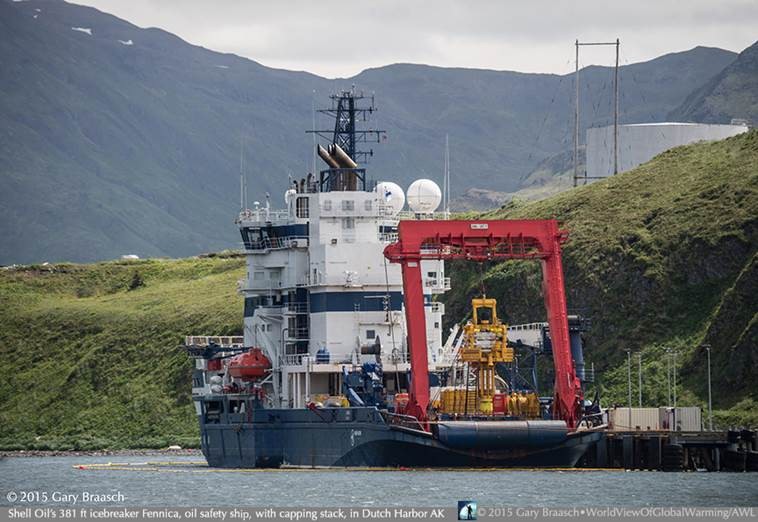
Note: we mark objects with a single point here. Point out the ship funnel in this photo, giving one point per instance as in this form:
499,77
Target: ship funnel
346,162
341,175
324,155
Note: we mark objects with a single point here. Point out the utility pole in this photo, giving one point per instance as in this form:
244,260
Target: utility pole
674,372
668,376
639,372
577,44
629,384
576,115
616,113
710,404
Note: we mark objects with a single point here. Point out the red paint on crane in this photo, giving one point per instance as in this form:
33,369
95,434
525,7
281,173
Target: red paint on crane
486,241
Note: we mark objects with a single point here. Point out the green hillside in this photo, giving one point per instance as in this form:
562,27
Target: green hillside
663,256
660,257
88,353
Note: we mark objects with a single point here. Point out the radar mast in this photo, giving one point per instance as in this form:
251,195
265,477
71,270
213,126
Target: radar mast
342,154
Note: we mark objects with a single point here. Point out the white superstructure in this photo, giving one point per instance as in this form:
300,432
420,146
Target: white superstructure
317,282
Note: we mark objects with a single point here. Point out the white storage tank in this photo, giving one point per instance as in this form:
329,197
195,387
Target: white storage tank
640,142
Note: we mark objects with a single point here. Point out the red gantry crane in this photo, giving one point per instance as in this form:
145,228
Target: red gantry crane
486,241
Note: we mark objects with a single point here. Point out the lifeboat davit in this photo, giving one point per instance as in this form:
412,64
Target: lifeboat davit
249,366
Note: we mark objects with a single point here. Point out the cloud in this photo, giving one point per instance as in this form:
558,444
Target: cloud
336,38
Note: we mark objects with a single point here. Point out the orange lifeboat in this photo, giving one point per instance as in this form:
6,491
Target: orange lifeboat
249,366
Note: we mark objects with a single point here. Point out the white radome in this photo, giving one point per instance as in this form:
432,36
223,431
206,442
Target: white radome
424,196
392,195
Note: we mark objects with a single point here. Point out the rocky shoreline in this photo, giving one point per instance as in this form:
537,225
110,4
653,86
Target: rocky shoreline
103,453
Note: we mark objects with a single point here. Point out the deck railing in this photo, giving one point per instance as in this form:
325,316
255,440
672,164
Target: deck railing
224,341
402,421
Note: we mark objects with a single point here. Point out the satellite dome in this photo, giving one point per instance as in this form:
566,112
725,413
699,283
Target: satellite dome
424,196
392,195
288,196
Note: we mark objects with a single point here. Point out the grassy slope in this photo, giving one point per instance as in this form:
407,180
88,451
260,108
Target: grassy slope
661,256
88,363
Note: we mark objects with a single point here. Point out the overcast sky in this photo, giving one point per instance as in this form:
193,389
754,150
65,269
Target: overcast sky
339,39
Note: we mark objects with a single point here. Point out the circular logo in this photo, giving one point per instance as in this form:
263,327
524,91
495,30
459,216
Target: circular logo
11,496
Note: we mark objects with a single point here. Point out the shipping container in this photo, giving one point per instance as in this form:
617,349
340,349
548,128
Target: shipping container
681,418
638,419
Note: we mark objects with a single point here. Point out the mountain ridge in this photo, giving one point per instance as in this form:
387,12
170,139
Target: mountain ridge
111,149
733,93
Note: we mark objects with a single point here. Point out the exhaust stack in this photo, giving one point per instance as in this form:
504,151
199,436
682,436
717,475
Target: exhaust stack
341,175
345,161
324,155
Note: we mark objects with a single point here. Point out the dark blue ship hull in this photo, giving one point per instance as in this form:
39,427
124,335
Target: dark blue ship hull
356,437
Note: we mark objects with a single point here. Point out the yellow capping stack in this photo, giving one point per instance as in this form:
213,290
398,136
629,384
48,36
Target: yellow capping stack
485,343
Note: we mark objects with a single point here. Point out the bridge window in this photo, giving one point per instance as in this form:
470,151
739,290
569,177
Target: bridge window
370,334
348,204
348,223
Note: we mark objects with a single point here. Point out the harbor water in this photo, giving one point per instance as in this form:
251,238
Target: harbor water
186,481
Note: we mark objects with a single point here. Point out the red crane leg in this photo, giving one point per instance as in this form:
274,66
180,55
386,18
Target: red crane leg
567,402
415,320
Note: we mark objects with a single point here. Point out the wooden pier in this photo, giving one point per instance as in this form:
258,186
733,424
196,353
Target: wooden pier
675,451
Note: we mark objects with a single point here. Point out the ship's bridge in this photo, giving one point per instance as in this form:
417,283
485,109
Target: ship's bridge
264,229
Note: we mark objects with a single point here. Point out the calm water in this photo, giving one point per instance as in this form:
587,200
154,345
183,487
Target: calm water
195,485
